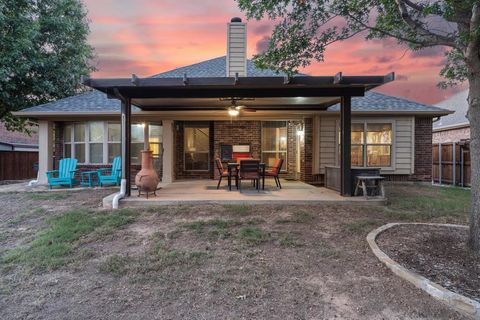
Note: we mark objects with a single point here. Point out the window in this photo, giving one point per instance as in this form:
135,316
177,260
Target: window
379,144
155,139
274,141
137,145
371,144
114,138
98,142
67,138
196,147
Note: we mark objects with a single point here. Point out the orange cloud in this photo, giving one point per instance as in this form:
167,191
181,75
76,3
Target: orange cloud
148,37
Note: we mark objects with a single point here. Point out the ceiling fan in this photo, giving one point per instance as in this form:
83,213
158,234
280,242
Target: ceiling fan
235,108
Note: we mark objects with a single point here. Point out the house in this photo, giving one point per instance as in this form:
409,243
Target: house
454,127
18,154
188,115
451,143
17,141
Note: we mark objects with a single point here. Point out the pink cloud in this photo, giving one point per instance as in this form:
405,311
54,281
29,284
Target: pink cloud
147,37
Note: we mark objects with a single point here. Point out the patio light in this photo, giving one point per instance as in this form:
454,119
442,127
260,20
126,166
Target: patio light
233,112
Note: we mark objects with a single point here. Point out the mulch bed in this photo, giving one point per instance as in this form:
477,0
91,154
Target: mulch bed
437,253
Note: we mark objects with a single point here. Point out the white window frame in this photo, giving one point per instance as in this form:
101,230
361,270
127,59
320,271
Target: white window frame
365,122
105,142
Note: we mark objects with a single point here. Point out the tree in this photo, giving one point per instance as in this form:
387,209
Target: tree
305,28
43,53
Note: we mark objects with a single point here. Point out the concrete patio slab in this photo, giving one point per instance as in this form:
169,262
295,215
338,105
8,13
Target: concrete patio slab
205,191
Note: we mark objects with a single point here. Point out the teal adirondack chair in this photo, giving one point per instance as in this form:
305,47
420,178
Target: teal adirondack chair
111,175
65,174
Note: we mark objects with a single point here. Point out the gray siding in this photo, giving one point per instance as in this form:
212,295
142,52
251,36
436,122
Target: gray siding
326,142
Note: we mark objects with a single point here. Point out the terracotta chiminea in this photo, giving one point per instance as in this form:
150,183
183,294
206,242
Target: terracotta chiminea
147,179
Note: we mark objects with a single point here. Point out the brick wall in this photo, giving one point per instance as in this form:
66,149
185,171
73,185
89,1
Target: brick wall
58,143
423,149
306,169
453,135
179,172
292,149
237,132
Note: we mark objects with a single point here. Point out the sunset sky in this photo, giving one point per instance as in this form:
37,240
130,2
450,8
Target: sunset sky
146,37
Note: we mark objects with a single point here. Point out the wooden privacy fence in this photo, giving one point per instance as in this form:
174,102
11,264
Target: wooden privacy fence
451,163
18,165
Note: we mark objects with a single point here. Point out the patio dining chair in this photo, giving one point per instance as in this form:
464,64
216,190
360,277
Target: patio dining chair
274,172
249,170
222,173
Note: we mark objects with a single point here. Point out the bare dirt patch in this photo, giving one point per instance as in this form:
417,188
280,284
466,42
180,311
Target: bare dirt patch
210,262
437,253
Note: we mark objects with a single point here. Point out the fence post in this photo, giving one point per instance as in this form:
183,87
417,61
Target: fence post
439,163
461,166
454,160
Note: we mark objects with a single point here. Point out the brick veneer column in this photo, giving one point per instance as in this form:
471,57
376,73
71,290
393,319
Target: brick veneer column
237,132
306,169
423,149
58,145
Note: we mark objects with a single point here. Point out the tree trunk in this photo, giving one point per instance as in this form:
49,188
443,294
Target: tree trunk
474,118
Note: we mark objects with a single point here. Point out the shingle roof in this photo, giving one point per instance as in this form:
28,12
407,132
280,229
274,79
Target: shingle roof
216,67
458,103
95,101
15,137
374,101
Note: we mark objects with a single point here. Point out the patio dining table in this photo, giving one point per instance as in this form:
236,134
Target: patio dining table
235,165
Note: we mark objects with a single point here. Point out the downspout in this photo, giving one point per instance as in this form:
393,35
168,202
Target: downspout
31,183
120,195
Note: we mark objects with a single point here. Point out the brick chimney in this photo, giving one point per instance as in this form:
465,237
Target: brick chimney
236,48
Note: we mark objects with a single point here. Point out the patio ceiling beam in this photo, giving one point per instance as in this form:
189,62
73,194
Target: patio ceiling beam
306,107
247,82
228,92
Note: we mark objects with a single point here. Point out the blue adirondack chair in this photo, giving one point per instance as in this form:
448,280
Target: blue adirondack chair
111,175
65,174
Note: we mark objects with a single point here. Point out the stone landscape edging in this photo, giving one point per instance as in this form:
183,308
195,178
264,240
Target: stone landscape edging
460,303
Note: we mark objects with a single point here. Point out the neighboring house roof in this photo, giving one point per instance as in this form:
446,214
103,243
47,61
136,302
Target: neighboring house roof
95,101
458,103
18,138
378,102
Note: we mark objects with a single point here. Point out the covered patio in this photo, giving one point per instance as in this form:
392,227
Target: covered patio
205,192
201,98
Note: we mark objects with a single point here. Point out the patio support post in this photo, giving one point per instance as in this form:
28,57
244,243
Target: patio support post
345,144
45,150
168,151
126,141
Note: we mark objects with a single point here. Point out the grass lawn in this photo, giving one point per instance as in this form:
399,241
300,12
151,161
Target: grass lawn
62,257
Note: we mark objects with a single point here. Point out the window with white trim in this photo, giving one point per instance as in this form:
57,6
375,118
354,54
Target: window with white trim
371,144
98,142
95,143
114,140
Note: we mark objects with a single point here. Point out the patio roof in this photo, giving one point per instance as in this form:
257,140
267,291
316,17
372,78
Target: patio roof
151,94
270,93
